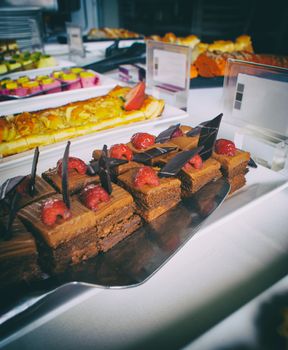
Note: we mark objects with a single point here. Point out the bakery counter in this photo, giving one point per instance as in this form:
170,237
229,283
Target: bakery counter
239,252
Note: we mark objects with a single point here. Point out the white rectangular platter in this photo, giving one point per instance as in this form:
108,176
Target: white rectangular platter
61,63
82,147
57,99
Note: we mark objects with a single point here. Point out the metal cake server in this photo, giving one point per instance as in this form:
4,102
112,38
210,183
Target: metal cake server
129,263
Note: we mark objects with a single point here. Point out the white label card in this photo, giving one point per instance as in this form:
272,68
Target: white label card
262,102
168,72
75,40
170,69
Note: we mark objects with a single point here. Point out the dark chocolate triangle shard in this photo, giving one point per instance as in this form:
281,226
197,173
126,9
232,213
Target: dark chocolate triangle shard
176,163
144,157
93,166
65,186
252,163
33,172
166,134
9,185
104,171
208,136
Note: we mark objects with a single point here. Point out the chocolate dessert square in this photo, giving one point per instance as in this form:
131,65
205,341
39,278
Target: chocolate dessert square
66,241
236,182
18,255
76,181
115,219
233,165
42,190
152,201
193,179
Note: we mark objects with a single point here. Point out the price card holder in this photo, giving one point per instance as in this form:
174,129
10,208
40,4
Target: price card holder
168,72
255,100
75,40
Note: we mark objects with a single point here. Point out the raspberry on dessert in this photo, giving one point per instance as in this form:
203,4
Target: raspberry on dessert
142,140
73,163
121,151
195,161
52,209
146,176
177,133
226,147
92,195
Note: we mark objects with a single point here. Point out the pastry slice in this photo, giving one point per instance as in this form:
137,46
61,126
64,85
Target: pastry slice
64,236
114,214
153,195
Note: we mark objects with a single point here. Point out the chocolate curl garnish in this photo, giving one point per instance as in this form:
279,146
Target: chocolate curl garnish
252,163
208,136
144,157
10,185
173,167
104,171
93,166
166,134
12,214
33,172
65,187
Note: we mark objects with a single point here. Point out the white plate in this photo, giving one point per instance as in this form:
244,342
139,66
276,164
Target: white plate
83,146
39,71
56,99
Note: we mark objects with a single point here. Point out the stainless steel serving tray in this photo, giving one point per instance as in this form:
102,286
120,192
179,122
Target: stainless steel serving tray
129,263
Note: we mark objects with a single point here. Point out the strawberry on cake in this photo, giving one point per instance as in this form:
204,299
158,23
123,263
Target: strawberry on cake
77,175
153,195
233,163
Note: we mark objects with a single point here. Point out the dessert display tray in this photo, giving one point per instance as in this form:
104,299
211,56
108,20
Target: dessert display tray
60,64
135,259
56,99
84,145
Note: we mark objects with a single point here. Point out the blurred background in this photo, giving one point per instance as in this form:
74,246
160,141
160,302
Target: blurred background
266,22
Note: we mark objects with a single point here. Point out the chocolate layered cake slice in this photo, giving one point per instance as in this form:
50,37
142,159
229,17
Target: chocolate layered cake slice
234,163
29,188
42,190
236,182
153,195
115,215
194,178
77,176
192,171
64,236
18,255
